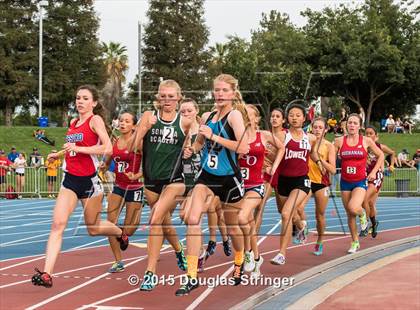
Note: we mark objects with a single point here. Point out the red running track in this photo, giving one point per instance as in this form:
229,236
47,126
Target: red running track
81,279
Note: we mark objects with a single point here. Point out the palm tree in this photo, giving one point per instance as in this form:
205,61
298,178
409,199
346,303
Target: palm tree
218,53
116,62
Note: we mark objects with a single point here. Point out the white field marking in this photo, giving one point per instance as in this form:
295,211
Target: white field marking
25,202
95,304
77,287
27,224
39,241
55,297
28,238
209,290
23,211
73,270
19,219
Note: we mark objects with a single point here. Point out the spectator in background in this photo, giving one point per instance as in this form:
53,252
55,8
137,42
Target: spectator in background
13,154
390,124
5,164
362,117
20,164
408,125
416,159
343,121
52,170
35,159
330,114
311,112
405,161
40,135
399,126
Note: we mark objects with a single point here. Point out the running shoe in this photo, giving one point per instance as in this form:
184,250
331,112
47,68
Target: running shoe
319,247
364,233
181,259
279,259
363,221
370,230
237,274
150,281
375,229
226,247
256,273
42,279
296,240
201,260
187,287
303,233
355,245
123,240
249,263
211,247
117,267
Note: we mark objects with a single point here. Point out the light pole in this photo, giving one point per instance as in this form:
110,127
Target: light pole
318,73
41,4
140,67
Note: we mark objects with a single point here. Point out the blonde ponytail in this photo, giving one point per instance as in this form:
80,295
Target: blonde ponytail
237,102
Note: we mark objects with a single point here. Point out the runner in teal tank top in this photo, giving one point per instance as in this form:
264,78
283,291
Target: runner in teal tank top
162,134
221,133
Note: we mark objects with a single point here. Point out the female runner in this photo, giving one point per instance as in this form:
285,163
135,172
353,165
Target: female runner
353,150
222,134
86,139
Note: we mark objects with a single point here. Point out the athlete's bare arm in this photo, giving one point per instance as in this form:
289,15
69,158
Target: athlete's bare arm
379,155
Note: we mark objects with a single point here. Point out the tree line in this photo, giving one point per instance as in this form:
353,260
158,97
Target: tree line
365,55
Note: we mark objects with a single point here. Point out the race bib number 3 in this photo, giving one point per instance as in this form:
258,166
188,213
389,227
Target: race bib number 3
245,173
212,161
351,170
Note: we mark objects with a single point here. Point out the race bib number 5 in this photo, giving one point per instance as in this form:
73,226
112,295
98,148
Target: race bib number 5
212,161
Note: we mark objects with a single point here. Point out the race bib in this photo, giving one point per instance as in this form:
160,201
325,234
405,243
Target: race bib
351,170
212,161
245,173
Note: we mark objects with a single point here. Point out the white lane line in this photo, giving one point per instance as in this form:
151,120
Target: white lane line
72,270
2,245
46,301
77,287
209,290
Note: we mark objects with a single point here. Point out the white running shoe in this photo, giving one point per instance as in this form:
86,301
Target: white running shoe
256,273
279,259
249,263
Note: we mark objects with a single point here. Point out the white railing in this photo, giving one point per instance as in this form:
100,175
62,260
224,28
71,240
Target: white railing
401,182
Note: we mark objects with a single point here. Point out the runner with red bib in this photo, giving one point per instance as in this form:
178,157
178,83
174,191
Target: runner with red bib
293,184
270,181
128,190
372,192
251,166
353,151
86,138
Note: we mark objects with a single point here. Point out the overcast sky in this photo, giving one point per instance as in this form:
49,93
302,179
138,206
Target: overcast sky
119,19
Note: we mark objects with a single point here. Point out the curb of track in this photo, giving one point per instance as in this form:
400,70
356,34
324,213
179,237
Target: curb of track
266,295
